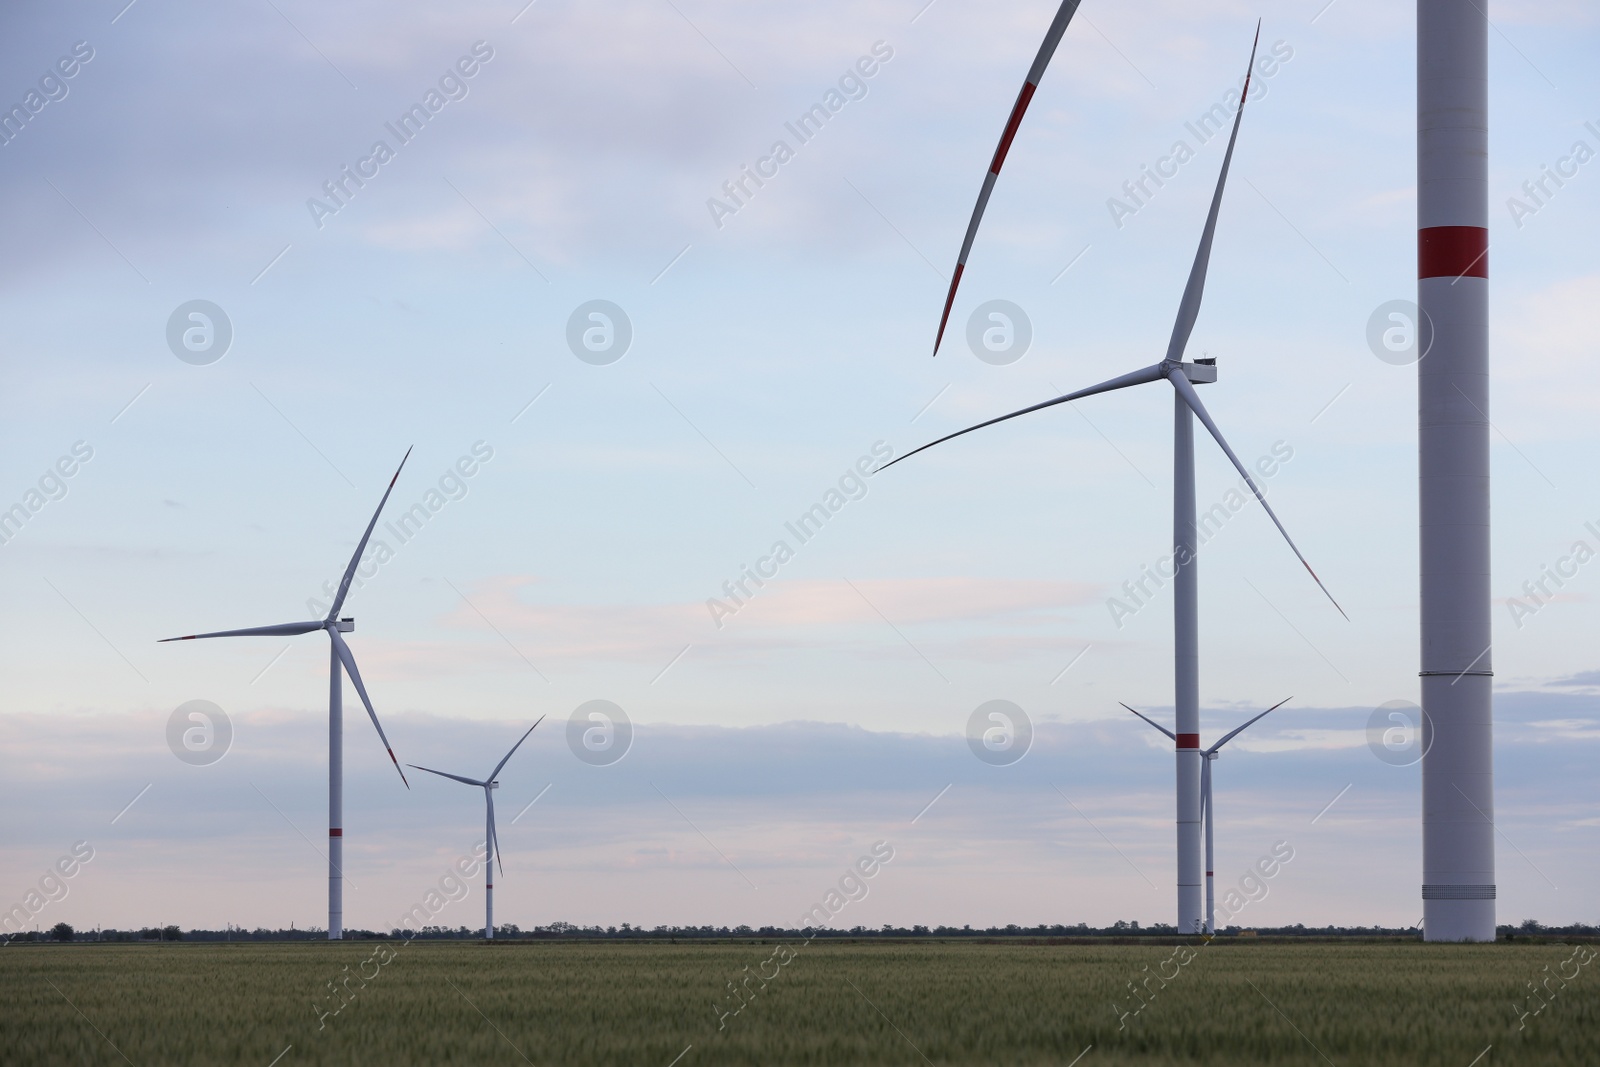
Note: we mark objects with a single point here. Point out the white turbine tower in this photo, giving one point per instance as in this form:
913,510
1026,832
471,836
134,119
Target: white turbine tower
1186,626
491,840
1207,806
340,658
1458,887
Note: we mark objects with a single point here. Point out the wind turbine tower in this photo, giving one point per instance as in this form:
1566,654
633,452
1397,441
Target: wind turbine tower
490,838
341,661
1183,376
1458,888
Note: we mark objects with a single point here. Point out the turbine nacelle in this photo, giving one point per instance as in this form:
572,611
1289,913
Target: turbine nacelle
1200,372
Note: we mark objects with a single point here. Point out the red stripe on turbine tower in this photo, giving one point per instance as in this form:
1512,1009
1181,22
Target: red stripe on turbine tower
334,831
1017,111
1453,252
1188,740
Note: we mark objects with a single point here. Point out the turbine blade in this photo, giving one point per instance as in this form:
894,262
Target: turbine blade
350,571
1189,308
1152,722
443,774
1237,731
1185,390
349,660
494,834
1205,790
1138,377
514,748
285,629
1052,37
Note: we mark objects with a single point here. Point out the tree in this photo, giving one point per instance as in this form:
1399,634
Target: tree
171,933
61,932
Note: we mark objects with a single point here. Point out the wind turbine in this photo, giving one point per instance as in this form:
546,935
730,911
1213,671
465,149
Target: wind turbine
1206,805
1186,627
340,658
491,840
1047,50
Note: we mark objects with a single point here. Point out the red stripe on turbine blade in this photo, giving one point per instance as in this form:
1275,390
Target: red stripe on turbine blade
1245,95
1453,252
949,302
1188,740
1325,593
1017,111
334,831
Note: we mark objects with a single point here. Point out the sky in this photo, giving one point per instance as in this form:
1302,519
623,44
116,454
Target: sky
582,514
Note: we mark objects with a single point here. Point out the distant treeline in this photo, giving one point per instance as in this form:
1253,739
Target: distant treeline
561,931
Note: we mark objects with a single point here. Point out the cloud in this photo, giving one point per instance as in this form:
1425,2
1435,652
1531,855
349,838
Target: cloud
1582,678
783,614
786,806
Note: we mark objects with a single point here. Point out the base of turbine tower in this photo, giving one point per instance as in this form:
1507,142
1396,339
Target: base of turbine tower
1455,919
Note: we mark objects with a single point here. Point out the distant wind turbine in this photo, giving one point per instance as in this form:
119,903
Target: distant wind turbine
1186,592
1207,809
491,840
341,657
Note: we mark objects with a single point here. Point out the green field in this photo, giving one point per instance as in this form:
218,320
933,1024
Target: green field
830,1002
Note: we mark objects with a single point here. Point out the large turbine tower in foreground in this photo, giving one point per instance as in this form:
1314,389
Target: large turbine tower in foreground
341,661
1453,469
1183,376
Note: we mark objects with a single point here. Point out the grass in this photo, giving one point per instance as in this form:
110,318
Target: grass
833,1003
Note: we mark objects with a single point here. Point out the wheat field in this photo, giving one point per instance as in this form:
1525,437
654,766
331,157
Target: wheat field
824,1002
